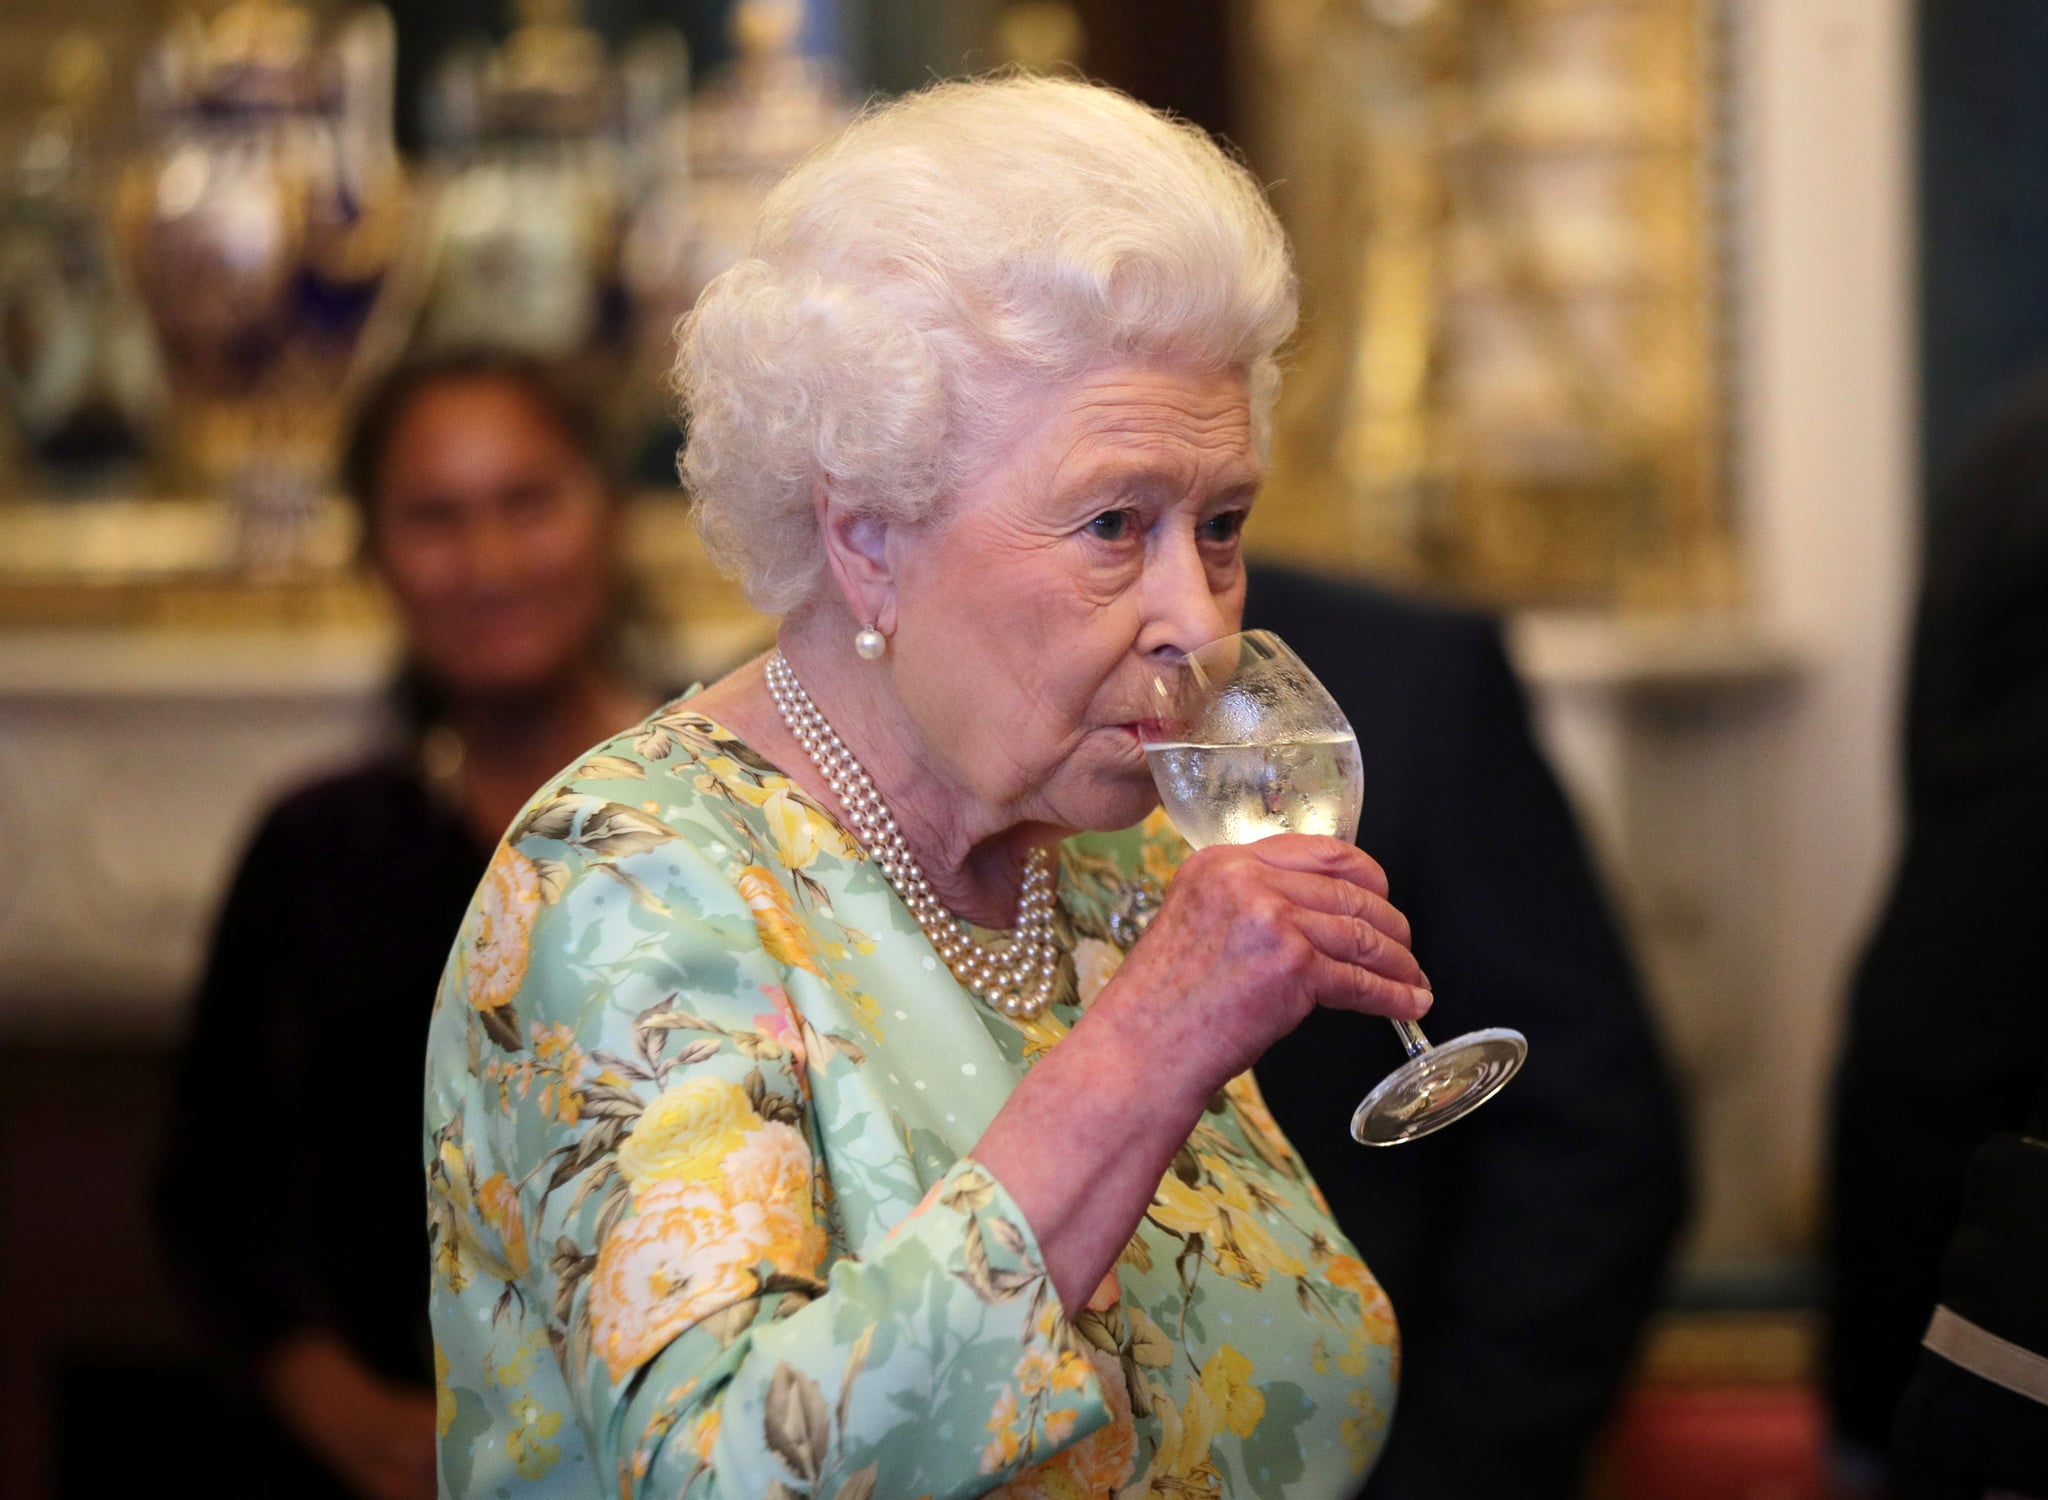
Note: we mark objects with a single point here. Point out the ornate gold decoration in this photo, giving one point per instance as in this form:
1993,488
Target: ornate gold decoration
1507,383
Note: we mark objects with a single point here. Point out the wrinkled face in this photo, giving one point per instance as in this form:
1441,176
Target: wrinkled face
495,536
1030,618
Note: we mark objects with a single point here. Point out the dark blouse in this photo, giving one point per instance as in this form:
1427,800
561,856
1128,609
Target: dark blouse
291,1194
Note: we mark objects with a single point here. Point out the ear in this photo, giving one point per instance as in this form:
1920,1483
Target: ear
858,556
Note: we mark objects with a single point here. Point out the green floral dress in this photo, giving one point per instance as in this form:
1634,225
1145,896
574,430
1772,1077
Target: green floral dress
700,1107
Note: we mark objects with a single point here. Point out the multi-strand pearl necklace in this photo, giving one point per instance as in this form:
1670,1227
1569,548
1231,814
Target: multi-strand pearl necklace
1019,982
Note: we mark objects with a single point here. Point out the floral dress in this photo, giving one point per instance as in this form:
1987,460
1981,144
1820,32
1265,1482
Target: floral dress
701,1103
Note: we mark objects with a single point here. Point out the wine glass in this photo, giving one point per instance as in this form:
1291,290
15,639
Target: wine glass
1244,742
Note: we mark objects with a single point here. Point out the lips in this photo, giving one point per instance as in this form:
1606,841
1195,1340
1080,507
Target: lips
1134,734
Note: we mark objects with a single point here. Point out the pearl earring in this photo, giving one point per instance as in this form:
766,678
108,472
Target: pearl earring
870,644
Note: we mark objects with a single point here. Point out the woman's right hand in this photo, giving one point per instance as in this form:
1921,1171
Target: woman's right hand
1250,939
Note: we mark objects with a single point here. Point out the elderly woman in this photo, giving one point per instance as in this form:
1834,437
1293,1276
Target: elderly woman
806,1113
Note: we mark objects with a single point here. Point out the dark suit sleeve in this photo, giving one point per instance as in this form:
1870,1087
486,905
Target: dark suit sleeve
1523,1246
1560,1198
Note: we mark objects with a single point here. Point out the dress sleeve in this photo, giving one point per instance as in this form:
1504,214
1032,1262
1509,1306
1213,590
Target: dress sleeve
633,1217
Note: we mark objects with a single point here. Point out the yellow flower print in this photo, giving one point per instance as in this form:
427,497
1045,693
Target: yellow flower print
1376,1318
800,833
1376,1327
1237,1403
1051,1363
452,1210
665,1417
723,773
1349,1272
558,1060
1361,1432
1182,1208
677,1260
1041,1032
785,938
1100,1464
1163,849
444,1394
726,771
447,1249
501,931
557,1044
1181,1465
1222,1398
497,1202
705,1435
1094,962
1221,1209
515,1369
527,1444
1261,1130
1003,1449
685,1134
1034,1371
555,1060
767,1187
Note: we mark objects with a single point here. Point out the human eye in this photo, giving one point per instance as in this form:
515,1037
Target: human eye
1221,528
421,517
1112,525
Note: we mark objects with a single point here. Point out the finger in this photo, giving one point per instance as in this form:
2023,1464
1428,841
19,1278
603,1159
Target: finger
1319,855
1343,986
1341,898
1356,942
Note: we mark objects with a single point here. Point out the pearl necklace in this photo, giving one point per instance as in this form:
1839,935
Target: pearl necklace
1019,984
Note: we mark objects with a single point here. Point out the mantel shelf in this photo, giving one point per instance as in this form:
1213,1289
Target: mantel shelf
1667,652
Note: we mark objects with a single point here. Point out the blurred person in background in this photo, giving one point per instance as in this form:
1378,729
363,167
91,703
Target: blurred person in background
1947,1033
1526,1247
1974,1420
290,1200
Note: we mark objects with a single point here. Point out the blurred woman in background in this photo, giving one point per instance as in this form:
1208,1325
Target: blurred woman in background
290,1201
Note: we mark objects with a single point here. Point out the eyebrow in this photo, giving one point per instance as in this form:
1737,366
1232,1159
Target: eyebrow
1117,475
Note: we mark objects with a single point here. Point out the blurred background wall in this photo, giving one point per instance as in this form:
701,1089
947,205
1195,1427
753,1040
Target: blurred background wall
1679,305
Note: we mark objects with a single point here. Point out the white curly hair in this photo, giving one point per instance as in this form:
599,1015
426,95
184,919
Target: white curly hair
920,278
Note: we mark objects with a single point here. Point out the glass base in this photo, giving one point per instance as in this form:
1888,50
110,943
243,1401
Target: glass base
1434,1088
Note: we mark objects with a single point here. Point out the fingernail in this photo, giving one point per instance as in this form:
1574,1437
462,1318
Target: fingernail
1423,998
1425,982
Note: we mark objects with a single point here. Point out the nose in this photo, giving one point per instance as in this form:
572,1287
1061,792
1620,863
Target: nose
1183,609
491,553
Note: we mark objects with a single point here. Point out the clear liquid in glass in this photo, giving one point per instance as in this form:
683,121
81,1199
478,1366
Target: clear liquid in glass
1233,794
1246,744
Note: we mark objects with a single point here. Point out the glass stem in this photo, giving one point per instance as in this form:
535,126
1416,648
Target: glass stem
1412,1038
